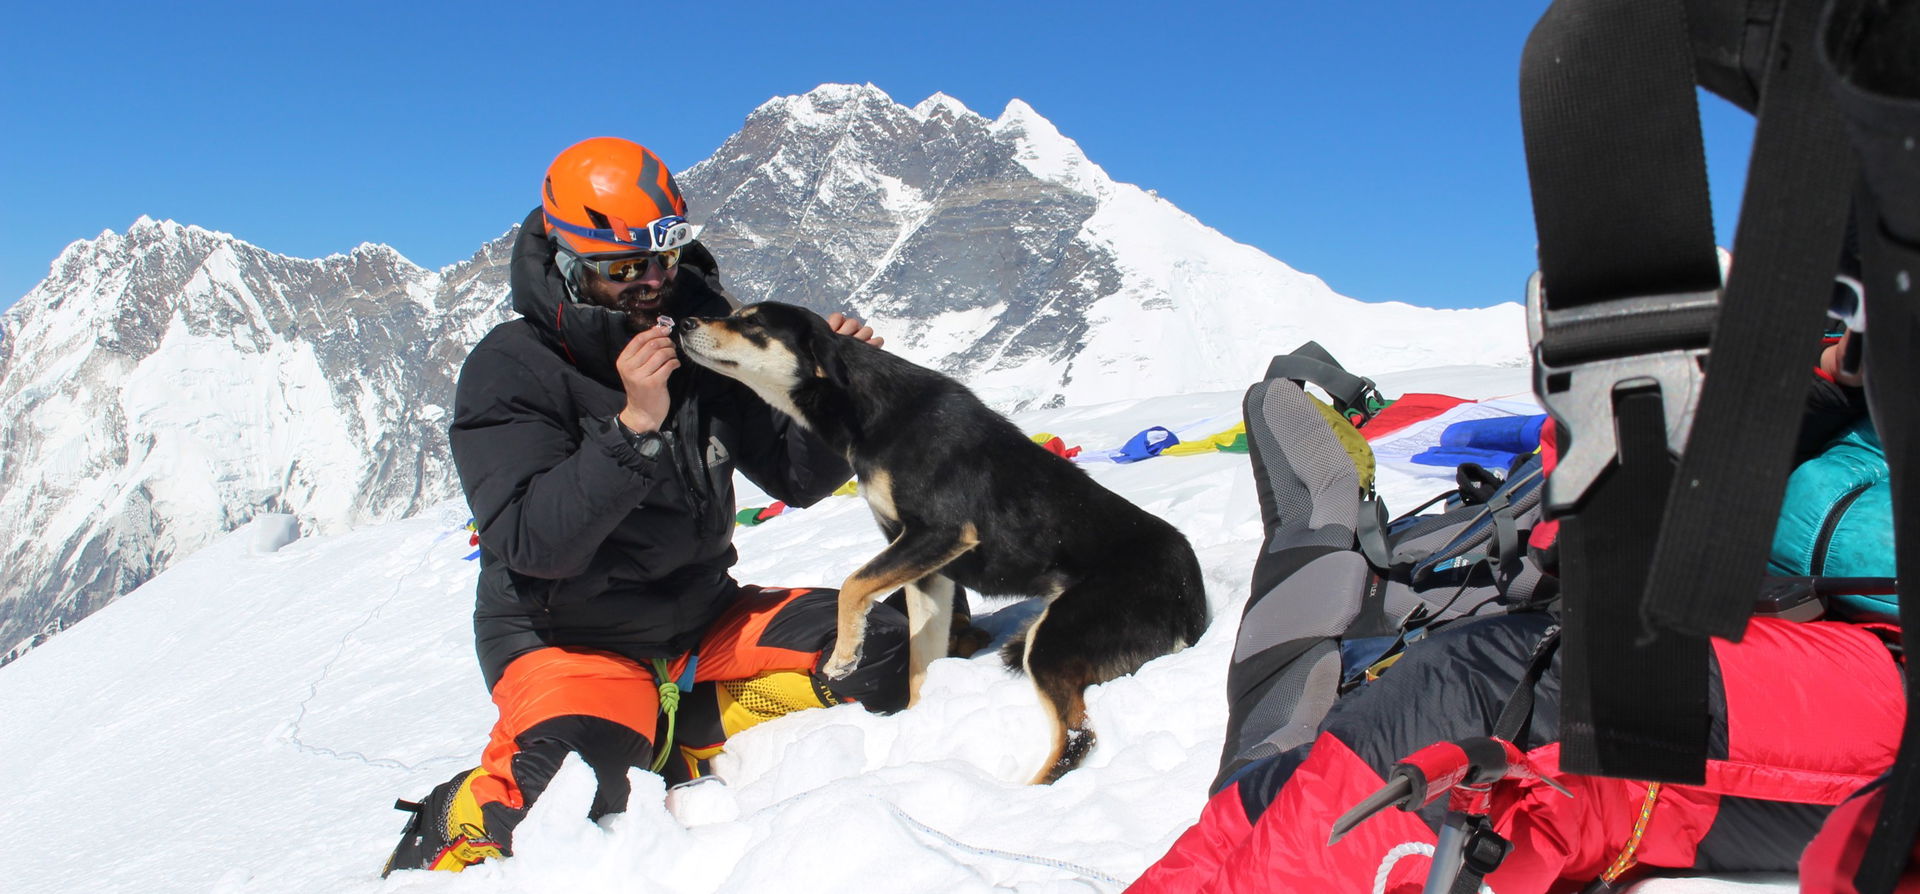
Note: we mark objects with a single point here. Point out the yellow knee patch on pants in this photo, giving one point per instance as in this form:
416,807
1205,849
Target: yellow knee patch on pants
747,703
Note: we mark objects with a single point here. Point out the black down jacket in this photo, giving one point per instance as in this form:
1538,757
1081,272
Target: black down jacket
583,541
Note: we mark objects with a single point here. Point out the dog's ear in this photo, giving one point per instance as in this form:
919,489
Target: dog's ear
828,350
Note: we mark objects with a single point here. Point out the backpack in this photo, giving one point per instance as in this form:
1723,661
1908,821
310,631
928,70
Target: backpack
1338,588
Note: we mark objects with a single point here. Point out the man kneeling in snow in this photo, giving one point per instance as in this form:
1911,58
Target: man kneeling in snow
600,475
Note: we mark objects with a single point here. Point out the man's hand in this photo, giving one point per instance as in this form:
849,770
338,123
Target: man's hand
846,325
1833,359
644,367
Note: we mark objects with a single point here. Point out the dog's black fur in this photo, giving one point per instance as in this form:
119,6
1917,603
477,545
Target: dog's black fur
964,497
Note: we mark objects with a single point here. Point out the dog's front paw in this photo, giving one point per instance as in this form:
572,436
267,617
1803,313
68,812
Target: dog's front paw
840,664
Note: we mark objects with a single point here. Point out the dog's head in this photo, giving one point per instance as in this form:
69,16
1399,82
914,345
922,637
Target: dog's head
775,349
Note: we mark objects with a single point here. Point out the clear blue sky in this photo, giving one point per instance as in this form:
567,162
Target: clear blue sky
1374,144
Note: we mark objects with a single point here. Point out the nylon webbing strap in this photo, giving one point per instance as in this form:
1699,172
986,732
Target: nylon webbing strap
1725,504
1481,853
1614,154
1869,47
1517,712
1625,296
1893,378
1633,705
1311,363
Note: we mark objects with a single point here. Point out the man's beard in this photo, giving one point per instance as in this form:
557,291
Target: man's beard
643,306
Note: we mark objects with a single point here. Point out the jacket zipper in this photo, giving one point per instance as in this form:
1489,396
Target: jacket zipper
690,464
1832,524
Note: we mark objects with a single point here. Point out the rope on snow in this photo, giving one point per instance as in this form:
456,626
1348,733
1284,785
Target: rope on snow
1084,872
292,734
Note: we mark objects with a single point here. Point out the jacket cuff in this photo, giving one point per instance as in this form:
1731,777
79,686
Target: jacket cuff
638,453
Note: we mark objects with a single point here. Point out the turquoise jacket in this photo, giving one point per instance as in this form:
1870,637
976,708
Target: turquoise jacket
1837,519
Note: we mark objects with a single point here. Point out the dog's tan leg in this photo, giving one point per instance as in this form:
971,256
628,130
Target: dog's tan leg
856,599
1062,685
911,556
1072,737
929,623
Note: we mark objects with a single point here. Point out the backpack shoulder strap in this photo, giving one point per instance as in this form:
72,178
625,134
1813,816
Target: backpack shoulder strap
1622,311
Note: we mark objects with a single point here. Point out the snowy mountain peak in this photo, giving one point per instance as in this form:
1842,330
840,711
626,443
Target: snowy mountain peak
108,240
1046,152
383,254
837,104
144,233
824,104
165,228
997,251
145,229
940,103
838,94
1018,111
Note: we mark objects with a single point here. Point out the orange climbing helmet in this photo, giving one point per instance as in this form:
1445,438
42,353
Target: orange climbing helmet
607,195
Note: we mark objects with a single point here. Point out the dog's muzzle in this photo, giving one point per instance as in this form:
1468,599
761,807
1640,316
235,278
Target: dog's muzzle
690,336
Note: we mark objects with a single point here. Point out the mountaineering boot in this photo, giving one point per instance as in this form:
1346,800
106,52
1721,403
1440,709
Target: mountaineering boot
446,830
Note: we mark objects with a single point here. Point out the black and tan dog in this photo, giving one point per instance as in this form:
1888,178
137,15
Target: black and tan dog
963,497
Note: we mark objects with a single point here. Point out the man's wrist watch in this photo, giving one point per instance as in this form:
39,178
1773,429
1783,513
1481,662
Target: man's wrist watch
648,444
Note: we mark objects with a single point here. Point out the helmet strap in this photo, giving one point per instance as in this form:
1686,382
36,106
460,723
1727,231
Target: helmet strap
569,267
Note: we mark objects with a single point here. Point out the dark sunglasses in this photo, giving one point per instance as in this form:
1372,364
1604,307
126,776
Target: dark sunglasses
628,268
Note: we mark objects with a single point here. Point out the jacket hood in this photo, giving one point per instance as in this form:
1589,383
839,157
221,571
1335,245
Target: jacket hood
588,336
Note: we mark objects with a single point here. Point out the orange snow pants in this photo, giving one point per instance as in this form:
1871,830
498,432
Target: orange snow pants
758,661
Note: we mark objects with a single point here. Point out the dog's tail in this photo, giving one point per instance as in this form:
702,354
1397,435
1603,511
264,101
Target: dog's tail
1192,585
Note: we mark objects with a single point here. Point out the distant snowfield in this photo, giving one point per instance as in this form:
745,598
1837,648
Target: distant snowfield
244,721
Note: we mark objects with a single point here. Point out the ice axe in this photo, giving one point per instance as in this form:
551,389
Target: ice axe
1466,773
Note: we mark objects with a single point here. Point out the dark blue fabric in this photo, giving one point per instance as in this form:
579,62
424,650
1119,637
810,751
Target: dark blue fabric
1358,654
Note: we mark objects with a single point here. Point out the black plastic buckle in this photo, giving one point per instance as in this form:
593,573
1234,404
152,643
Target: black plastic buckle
1485,850
1468,851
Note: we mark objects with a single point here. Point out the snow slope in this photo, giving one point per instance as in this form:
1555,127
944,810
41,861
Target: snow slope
242,722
